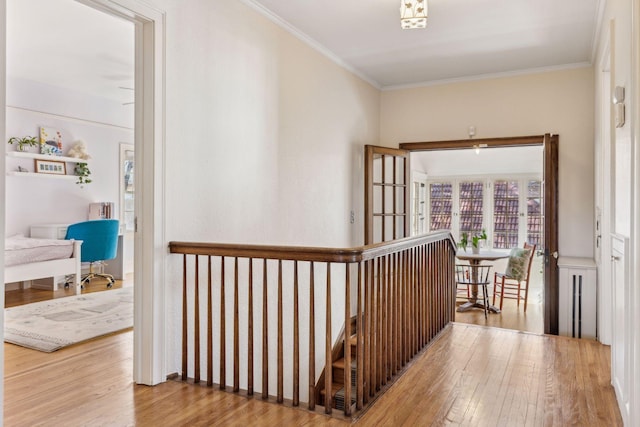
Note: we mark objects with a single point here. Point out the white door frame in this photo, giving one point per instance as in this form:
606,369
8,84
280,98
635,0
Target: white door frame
149,356
3,132
150,244
604,191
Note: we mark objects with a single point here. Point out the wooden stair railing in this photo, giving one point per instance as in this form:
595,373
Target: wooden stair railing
401,294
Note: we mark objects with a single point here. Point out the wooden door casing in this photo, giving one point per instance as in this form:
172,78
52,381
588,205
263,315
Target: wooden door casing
550,174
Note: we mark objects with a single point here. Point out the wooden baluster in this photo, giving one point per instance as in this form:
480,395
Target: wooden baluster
385,311
359,344
236,330
418,303
432,298
423,310
312,339
185,344
223,366
328,401
209,325
250,332
296,339
398,310
414,301
347,341
368,314
196,323
389,352
265,333
280,397
407,305
379,327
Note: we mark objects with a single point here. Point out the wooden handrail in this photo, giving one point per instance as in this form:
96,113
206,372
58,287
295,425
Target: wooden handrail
306,253
402,292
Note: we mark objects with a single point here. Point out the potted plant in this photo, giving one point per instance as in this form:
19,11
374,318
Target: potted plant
24,143
475,241
82,172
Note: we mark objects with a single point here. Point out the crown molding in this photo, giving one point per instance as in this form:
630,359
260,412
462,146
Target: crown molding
489,76
308,41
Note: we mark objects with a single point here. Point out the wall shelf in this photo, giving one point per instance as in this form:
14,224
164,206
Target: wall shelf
27,155
41,175
38,156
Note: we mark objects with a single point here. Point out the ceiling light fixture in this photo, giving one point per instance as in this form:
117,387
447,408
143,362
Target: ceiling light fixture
413,14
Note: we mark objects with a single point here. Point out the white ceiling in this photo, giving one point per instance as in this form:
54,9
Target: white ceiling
494,161
68,44
463,38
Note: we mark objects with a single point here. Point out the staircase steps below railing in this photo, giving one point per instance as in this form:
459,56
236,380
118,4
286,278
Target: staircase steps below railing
337,375
339,398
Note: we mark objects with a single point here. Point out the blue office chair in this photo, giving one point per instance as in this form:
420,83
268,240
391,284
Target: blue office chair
99,243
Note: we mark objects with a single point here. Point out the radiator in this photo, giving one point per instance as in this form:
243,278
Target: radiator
577,297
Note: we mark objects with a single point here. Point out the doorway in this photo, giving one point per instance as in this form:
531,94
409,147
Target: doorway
149,309
548,143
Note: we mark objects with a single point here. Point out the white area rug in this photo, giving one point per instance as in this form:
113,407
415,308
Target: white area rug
51,325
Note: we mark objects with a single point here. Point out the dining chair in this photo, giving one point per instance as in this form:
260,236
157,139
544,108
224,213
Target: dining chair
475,275
514,282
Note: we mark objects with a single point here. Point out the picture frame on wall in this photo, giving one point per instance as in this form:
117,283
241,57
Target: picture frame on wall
53,167
50,141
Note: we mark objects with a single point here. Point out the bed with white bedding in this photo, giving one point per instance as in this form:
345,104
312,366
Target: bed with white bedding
26,259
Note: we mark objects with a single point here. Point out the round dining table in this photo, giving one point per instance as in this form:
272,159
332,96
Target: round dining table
476,259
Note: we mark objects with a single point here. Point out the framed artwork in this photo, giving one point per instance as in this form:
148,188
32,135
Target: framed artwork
50,141
51,166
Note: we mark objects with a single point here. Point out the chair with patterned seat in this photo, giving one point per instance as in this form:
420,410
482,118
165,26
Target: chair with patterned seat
514,282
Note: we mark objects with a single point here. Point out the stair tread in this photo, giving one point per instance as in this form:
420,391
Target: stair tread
340,363
335,387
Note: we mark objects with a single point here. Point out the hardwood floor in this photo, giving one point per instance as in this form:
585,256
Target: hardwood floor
27,296
471,375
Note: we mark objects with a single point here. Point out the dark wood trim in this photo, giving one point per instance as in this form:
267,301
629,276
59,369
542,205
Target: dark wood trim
458,144
551,293
301,253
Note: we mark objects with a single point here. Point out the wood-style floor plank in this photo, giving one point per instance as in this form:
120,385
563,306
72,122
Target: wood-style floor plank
471,375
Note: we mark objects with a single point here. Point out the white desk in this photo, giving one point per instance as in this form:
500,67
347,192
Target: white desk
115,267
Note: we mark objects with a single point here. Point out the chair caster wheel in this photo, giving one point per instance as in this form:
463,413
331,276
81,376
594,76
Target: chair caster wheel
109,285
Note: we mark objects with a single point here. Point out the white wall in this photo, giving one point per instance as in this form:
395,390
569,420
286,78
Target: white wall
559,102
102,125
620,37
264,140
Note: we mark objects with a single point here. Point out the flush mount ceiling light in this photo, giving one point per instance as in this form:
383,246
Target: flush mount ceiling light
413,14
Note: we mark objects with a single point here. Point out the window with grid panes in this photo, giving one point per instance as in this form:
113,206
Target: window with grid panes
506,214
471,207
535,217
440,206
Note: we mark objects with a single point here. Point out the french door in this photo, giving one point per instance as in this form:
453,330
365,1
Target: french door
386,196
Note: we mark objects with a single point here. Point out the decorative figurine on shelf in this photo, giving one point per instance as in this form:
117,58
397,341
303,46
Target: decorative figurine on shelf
79,151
